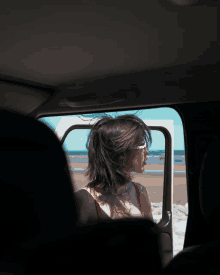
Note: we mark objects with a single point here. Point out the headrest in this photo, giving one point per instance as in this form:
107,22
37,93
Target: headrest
120,244
209,187
37,201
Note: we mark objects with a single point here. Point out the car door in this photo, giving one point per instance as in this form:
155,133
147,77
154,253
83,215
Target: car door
165,224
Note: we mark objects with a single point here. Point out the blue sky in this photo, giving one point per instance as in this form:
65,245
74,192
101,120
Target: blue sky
76,140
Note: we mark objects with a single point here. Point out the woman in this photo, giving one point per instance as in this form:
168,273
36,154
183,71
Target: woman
116,147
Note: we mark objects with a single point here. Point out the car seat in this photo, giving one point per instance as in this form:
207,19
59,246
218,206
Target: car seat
40,231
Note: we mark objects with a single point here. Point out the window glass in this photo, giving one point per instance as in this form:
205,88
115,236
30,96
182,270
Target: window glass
153,175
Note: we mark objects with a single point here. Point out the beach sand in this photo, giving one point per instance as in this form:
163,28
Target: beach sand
153,183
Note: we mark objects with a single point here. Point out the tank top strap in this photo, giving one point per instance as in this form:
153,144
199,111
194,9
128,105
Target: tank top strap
100,212
103,211
142,201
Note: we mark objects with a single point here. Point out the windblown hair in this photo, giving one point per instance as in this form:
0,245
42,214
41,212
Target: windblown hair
109,145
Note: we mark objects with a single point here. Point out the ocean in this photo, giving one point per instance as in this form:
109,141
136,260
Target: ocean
153,158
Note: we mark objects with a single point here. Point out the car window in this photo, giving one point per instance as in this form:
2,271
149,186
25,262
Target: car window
152,178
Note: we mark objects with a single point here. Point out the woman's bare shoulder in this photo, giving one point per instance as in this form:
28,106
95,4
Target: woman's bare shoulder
142,189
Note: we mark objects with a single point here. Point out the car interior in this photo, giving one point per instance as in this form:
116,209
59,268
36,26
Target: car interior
60,58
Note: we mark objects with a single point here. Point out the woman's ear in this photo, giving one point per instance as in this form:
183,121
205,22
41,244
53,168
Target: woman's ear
124,160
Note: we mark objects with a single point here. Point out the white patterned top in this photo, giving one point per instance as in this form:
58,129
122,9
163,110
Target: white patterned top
125,201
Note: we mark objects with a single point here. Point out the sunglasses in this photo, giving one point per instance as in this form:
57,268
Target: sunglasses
141,147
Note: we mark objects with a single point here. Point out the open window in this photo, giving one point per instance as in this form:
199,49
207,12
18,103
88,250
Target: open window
151,177
73,132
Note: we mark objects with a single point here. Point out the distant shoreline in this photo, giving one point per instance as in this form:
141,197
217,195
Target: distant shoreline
177,167
177,162
79,157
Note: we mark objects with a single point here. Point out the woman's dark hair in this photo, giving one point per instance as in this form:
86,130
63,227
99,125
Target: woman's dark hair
109,145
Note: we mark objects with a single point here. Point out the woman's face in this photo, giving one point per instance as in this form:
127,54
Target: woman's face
137,160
